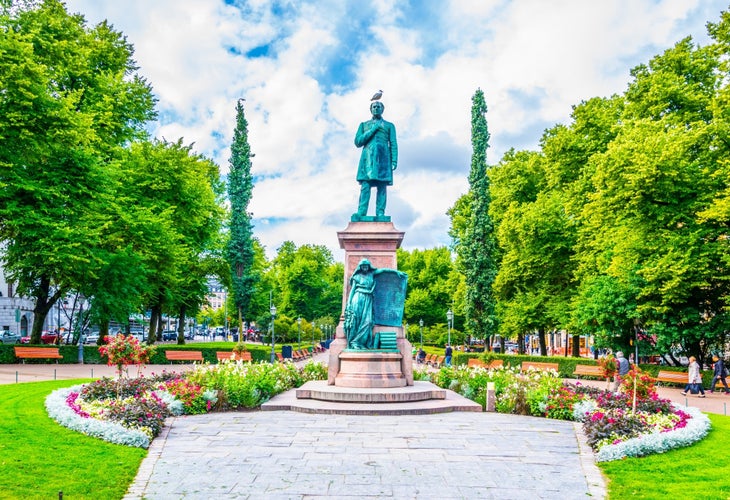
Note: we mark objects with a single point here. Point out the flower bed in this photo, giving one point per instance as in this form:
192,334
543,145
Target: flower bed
634,422
132,411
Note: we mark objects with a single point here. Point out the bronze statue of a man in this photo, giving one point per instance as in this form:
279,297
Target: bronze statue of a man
378,159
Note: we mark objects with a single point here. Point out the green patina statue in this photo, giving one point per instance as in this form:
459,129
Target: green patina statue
376,296
378,159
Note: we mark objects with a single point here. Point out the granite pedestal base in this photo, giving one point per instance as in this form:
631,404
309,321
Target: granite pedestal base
374,369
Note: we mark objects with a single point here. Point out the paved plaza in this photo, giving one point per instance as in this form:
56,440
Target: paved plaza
281,454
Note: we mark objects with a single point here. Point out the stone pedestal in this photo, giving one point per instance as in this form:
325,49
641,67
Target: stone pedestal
370,369
376,241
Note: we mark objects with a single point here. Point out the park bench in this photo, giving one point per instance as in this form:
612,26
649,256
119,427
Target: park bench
430,359
438,361
536,365
37,353
230,355
184,355
280,357
588,371
304,353
672,377
478,363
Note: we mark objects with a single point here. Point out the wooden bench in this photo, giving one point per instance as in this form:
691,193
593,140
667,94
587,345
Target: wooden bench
37,353
230,355
184,355
535,365
672,377
431,359
478,363
438,361
280,357
588,371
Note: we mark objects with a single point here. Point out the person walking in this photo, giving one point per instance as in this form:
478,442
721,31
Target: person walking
623,368
447,355
694,379
718,373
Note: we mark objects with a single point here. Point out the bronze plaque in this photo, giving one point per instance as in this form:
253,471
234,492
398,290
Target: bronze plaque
390,297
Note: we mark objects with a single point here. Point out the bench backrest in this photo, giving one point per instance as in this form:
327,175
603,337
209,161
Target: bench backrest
538,365
37,352
184,355
241,356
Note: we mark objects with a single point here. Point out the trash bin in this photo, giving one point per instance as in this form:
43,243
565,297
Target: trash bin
286,351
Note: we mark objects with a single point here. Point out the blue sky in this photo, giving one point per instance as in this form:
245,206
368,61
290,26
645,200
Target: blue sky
307,70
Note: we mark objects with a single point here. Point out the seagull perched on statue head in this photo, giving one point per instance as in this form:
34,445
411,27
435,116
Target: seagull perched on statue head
377,95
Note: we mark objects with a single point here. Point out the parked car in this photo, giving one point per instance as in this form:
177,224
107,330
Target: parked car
9,338
91,338
49,338
168,335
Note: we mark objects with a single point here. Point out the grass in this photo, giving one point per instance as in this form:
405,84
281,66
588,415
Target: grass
698,472
39,458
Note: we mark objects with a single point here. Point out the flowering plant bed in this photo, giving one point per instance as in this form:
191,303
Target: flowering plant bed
132,411
635,422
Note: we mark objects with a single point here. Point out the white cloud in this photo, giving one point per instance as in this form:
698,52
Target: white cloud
534,60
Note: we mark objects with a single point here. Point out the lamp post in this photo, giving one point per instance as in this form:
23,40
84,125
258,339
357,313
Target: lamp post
313,336
81,329
420,323
450,319
272,310
299,331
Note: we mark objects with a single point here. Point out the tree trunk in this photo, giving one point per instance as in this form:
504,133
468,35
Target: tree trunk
103,331
154,324
181,326
543,343
43,304
521,343
576,346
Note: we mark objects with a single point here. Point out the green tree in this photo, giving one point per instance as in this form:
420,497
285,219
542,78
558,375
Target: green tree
69,97
240,253
478,249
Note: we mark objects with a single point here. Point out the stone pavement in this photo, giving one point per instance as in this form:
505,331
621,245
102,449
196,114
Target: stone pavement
281,454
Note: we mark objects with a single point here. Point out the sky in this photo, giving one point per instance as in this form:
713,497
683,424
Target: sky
308,69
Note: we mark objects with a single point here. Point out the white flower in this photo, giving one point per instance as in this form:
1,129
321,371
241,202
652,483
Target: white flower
658,442
59,411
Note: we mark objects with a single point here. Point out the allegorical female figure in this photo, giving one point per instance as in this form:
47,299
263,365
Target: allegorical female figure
359,309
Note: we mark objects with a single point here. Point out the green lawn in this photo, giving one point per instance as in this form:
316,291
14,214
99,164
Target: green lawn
698,472
39,458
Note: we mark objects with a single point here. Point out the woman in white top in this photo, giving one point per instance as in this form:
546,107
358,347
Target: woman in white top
694,379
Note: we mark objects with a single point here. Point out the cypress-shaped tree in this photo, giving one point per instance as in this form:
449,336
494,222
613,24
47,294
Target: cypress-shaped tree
479,249
240,245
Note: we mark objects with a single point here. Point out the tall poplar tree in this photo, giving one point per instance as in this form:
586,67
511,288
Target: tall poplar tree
478,249
240,245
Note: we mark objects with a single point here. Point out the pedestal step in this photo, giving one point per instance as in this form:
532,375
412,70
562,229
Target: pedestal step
323,392
450,402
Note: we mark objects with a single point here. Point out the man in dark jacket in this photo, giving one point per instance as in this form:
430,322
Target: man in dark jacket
718,373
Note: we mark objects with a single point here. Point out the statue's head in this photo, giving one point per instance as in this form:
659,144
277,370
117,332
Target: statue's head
377,108
364,265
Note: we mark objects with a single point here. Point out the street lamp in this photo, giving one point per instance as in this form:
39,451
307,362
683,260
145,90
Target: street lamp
312,336
450,318
81,329
420,323
299,330
272,310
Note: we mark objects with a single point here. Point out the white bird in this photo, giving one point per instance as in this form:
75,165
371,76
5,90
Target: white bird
377,95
